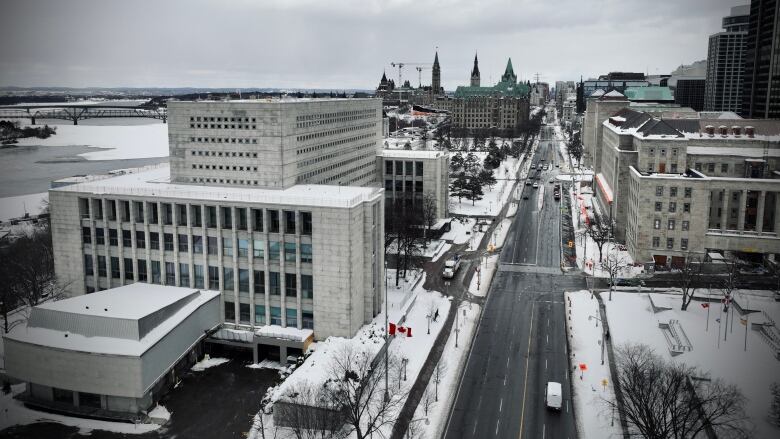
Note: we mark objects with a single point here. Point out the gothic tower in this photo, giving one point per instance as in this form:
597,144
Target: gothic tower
509,73
475,73
436,75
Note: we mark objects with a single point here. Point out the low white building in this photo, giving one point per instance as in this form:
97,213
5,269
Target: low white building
111,353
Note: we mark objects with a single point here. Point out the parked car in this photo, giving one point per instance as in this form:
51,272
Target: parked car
553,395
628,282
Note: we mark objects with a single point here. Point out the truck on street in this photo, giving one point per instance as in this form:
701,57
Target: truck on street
451,267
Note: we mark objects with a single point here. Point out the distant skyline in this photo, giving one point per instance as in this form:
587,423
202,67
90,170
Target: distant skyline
342,44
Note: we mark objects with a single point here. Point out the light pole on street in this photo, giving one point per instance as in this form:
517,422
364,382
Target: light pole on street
387,338
602,335
457,325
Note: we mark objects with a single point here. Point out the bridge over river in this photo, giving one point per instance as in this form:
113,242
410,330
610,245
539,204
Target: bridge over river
76,112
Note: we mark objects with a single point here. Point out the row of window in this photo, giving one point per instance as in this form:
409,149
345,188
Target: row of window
240,140
670,243
224,167
403,168
307,149
687,192
213,216
329,118
671,224
347,172
324,169
659,207
210,279
291,314
305,137
724,167
411,186
661,152
224,181
183,245
305,163
221,119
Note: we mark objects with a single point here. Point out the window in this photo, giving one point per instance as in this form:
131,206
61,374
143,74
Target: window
388,185
259,314
399,167
141,270
651,152
198,269
672,191
153,219
181,213
688,192
306,255
710,167
100,235
276,315
243,313
656,223
389,167
292,316
170,274
656,242
273,278
243,247
139,211
230,311
184,274
258,220
197,244
258,250
211,242
128,268
86,235
273,250
115,273
213,278
227,278
197,221
724,168
89,400
211,217
289,251
127,238
669,243
227,218
88,268
418,169
290,285
672,206
659,191
273,218
98,209
650,167
113,238
125,211
658,206
259,278
674,152
168,241
671,224
685,225
227,246
306,223
697,166
61,395
167,214
243,280
684,244
307,286
101,266
289,222
674,168
183,247
307,319
241,218
156,274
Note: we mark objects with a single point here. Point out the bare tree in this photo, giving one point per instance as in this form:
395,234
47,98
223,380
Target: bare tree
599,231
728,283
688,276
614,264
664,399
310,414
357,386
428,399
438,375
428,215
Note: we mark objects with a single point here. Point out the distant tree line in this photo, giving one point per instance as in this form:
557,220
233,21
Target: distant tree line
11,131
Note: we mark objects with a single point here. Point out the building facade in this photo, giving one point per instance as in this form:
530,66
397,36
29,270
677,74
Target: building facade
726,62
410,176
689,92
761,82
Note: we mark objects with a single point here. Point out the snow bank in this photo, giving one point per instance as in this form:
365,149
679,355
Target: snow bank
480,283
208,362
160,412
460,230
500,233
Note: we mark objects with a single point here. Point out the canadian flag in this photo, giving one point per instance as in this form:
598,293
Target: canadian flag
705,305
400,329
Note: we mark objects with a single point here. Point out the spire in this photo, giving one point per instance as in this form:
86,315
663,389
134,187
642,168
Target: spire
475,72
509,70
384,77
436,75
436,60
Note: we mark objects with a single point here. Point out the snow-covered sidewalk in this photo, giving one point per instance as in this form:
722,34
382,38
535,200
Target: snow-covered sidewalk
480,282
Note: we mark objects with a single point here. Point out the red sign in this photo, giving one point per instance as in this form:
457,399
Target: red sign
583,366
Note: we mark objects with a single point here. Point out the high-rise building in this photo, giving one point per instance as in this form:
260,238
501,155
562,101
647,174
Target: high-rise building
761,82
725,63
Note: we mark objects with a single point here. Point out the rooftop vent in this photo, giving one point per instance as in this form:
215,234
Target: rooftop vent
723,130
737,131
710,130
750,131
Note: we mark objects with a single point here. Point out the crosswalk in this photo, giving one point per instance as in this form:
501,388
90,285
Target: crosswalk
525,268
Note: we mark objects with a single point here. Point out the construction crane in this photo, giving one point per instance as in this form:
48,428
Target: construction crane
419,74
401,65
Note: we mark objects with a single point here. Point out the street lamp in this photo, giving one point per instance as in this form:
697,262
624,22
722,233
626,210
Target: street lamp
387,338
602,335
457,325
413,421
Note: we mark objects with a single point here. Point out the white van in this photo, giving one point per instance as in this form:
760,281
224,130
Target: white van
553,396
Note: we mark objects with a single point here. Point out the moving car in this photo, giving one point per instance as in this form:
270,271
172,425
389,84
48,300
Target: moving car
528,182
536,185
525,196
553,395
552,180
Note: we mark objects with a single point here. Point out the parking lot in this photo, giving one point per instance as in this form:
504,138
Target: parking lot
218,403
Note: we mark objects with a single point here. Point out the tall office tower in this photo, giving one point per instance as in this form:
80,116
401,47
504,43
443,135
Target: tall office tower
725,63
761,83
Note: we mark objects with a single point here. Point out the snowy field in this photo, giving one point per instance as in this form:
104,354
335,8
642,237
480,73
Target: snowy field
594,420
112,142
717,340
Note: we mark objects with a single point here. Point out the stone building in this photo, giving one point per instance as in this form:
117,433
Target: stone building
411,175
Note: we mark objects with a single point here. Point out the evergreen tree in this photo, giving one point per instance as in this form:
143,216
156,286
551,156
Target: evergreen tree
474,190
487,178
471,163
456,161
459,186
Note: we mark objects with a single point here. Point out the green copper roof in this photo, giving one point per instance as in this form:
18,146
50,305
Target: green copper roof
503,88
509,70
649,94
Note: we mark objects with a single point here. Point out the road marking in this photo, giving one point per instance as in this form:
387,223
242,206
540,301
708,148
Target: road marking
544,427
500,404
507,362
474,430
567,406
504,380
527,359
548,338
498,421
545,364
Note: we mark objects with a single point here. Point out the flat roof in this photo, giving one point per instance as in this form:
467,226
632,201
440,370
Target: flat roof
274,100
411,153
132,301
155,182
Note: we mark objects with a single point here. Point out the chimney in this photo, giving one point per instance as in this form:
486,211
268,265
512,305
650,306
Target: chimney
750,131
616,121
736,130
723,130
710,130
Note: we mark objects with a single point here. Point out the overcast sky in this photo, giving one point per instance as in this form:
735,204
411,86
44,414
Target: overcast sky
342,43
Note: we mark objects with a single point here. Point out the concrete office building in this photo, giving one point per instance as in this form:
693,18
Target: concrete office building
761,83
110,354
293,257
681,186
726,62
410,176
274,143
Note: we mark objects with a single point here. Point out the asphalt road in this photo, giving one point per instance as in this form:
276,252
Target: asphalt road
520,342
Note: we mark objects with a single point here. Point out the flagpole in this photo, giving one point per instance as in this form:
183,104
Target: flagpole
709,291
720,315
747,322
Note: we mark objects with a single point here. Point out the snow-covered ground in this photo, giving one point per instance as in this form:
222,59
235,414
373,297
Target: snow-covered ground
594,420
442,251
512,210
208,362
15,413
460,230
718,346
112,142
15,207
429,251
500,233
480,283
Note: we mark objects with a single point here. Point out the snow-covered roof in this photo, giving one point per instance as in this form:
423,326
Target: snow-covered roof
410,153
106,333
614,94
155,182
732,151
286,333
272,100
597,93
